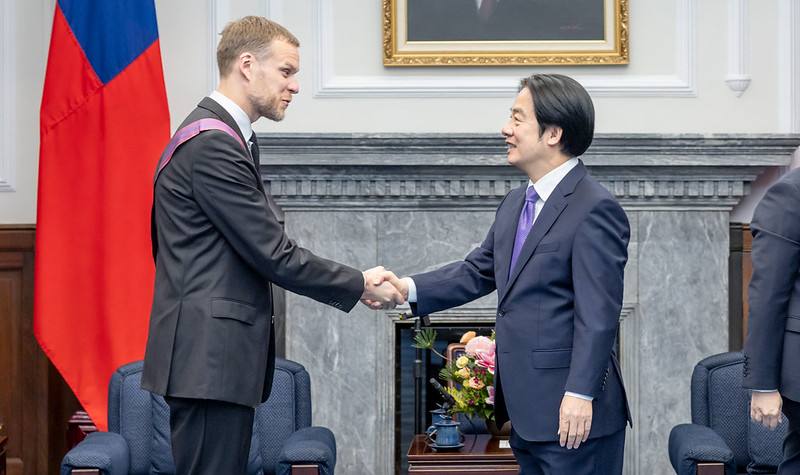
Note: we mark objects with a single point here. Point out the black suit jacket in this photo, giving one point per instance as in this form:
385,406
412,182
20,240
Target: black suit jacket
219,246
557,310
772,349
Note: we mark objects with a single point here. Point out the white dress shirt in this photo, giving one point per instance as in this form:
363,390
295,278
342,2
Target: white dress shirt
544,188
238,114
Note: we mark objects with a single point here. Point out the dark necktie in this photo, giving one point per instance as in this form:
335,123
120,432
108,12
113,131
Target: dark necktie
254,149
524,225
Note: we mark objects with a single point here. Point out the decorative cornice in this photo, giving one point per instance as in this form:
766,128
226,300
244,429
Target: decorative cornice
657,172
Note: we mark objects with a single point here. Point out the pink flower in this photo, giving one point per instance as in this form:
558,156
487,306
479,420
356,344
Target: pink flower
475,383
485,360
480,344
490,399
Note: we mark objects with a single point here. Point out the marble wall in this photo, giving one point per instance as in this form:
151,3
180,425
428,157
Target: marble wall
412,203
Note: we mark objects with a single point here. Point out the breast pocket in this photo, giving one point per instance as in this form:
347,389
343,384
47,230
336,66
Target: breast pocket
546,247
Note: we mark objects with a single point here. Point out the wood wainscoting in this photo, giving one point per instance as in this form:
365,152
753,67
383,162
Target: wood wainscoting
35,402
740,268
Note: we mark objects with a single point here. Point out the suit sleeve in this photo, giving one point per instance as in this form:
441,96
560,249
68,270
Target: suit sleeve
599,254
226,189
776,261
459,282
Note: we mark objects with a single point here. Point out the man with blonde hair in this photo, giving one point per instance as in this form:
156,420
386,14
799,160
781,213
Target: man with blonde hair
218,247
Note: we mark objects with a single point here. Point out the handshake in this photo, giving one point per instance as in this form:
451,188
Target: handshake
383,290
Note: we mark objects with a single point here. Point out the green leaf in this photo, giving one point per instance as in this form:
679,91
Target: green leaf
448,372
425,339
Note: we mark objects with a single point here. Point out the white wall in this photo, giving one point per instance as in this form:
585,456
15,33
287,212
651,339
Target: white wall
674,84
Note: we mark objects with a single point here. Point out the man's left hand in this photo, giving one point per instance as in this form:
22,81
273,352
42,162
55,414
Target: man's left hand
765,408
574,421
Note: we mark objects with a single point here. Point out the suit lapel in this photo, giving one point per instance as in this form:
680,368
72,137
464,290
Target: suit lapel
552,209
213,106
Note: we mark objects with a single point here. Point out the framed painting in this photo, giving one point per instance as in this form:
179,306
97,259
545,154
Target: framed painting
504,32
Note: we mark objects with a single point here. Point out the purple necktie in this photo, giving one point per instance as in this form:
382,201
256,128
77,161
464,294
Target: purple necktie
524,225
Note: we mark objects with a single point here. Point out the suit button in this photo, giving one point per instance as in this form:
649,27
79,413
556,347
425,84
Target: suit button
500,314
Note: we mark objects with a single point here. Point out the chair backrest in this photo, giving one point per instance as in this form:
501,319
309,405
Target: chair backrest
720,402
142,418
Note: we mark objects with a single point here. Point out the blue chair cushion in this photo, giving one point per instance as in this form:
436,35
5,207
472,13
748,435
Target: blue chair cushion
107,451
312,445
720,402
690,444
765,446
287,410
161,448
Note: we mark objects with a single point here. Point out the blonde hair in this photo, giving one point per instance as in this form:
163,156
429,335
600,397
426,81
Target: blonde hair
252,34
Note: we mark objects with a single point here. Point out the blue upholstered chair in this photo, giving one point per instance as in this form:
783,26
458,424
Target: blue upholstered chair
722,438
138,440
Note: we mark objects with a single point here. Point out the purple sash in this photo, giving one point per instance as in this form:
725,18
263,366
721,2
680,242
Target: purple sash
190,131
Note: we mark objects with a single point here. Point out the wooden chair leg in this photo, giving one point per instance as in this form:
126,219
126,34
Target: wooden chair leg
78,427
306,470
710,469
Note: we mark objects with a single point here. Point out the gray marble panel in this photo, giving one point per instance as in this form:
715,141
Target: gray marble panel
336,348
682,317
411,242
631,291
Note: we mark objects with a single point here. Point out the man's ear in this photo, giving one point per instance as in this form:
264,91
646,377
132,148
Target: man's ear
244,65
552,135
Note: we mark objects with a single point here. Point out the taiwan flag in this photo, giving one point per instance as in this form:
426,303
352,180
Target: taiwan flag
104,123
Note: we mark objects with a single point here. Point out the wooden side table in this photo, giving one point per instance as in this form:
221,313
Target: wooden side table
481,454
3,440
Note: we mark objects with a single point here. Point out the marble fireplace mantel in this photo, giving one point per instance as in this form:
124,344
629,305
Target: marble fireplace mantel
415,202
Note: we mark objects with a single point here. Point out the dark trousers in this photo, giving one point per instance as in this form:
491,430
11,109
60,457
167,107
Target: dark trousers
791,444
209,437
600,456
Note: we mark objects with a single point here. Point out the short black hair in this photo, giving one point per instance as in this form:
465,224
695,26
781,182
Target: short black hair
561,101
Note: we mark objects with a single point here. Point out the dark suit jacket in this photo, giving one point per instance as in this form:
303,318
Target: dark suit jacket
219,246
772,349
557,314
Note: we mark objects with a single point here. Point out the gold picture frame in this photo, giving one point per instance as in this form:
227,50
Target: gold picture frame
561,42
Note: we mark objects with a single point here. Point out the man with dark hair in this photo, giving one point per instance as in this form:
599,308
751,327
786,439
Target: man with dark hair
772,348
556,255
218,247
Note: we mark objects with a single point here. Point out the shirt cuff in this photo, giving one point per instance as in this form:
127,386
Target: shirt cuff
579,396
764,390
412,289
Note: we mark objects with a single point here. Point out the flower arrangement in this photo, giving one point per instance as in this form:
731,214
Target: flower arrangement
472,374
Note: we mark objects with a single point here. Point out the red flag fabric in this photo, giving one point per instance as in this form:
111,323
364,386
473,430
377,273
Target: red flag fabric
104,123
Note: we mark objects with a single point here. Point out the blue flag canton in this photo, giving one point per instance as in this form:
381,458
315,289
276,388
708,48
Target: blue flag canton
112,33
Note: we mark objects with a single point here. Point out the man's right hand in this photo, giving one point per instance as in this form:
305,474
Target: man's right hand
380,291
765,408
